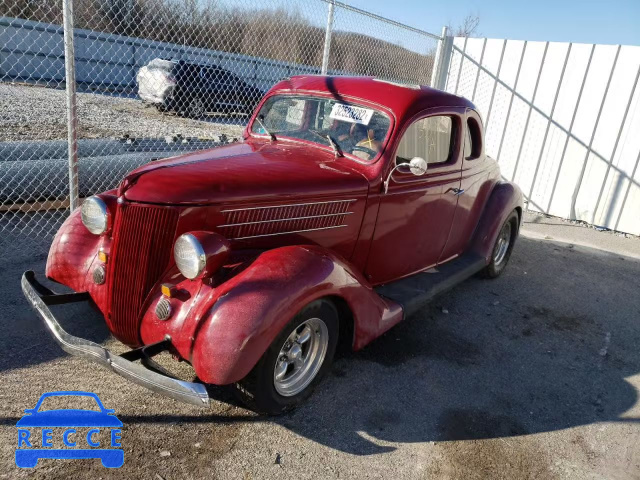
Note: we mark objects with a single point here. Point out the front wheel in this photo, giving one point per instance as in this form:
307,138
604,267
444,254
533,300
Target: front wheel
503,247
294,363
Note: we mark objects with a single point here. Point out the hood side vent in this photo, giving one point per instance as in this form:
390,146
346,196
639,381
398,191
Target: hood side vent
282,219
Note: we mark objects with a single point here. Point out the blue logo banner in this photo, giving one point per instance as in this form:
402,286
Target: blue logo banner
80,433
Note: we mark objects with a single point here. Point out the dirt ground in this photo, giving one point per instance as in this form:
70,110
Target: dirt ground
29,112
533,375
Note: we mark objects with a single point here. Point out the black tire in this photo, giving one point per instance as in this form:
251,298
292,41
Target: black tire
258,391
499,259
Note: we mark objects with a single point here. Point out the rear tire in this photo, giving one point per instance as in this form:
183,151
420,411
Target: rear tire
196,108
295,362
503,247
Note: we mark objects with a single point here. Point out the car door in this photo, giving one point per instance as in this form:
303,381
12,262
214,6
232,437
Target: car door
211,91
475,187
416,212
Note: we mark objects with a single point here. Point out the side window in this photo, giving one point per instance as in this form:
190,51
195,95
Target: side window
473,140
467,143
429,138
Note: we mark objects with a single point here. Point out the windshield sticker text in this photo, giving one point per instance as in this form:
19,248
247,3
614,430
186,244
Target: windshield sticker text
350,113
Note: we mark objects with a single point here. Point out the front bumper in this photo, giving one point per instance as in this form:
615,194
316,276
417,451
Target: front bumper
157,379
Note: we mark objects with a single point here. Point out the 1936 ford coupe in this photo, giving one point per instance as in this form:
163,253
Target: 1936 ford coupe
350,203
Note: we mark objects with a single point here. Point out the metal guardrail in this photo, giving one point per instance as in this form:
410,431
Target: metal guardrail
25,163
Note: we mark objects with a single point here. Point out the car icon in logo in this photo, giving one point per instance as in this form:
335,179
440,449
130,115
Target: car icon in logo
32,446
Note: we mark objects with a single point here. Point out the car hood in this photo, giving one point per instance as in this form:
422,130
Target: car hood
69,418
244,171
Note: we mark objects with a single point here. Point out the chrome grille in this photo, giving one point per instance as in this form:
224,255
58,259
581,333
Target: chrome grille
141,252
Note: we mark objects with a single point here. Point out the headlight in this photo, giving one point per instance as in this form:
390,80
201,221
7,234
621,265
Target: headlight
189,256
95,215
200,254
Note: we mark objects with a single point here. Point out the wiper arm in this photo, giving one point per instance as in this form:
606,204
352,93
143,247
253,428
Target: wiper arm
336,149
272,135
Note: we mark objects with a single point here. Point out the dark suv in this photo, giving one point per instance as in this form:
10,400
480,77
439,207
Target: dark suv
195,89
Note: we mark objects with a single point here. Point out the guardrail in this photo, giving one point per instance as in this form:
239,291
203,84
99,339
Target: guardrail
34,52
104,163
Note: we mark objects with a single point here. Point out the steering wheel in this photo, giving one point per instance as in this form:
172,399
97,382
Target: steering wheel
368,151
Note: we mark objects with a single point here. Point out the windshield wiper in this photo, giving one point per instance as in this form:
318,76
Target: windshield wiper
332,142
272,135
336,149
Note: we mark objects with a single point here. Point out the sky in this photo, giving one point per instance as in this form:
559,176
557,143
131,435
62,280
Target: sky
582,21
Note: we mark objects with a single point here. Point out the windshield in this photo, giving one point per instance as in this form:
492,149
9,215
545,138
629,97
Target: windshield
64,402
347,128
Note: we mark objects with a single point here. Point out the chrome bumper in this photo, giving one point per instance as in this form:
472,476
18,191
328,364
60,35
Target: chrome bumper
40,297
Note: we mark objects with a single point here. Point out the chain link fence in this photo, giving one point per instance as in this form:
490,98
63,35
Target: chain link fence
155,78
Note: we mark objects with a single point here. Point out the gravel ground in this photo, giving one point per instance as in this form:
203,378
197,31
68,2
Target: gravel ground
533,375
30,112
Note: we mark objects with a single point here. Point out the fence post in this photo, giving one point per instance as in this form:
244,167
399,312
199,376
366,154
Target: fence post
72,118
327,39
441,63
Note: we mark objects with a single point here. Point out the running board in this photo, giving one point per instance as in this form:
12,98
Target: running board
416,291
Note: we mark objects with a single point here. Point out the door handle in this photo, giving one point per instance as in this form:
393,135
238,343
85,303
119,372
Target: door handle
457,191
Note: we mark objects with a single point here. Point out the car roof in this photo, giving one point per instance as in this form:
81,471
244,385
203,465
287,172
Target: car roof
68,393
403,100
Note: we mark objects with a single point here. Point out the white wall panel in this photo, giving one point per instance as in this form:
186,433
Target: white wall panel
572,142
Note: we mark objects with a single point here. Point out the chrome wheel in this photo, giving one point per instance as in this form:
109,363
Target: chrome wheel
301,357
502,244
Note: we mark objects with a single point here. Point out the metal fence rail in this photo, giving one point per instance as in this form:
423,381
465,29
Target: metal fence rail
131,60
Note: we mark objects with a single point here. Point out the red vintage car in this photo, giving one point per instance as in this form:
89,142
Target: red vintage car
350,203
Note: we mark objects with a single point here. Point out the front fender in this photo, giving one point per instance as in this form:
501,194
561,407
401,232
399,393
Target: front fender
504,199
71,253
250,309
74,252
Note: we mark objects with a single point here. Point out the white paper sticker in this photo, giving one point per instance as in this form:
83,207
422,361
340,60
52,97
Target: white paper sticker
352,114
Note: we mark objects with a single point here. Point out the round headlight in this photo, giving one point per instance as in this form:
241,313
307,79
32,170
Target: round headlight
95,215
189,256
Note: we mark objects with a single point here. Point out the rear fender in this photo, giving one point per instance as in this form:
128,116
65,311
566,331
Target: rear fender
504,199
249,310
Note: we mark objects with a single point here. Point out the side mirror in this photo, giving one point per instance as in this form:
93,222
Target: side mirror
418,166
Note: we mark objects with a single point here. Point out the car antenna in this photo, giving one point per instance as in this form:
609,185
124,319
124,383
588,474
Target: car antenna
259,120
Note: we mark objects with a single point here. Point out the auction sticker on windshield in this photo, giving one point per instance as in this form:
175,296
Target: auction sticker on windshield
351,113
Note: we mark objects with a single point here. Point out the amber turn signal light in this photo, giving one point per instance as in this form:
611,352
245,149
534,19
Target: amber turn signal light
102,256
168,291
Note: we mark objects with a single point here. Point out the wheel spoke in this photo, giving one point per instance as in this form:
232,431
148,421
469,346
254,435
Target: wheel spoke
305,335
281,369
298,362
